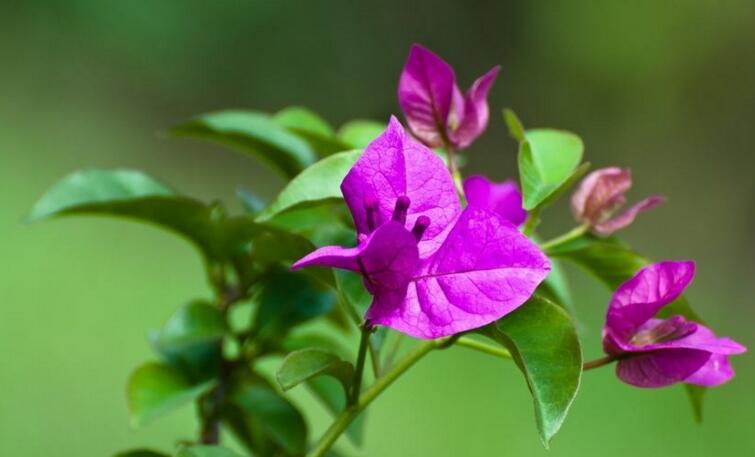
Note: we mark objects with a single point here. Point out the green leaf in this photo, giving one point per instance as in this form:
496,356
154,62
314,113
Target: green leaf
311,128
516,128
250,201
206,451
287,299
155,389
696,396
556,288
330,393
261,408
317,184
140,453
252,133
547,159
190,340
359,133
541,337
305,364
135,195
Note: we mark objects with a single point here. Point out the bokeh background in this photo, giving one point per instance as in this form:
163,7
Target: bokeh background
665,88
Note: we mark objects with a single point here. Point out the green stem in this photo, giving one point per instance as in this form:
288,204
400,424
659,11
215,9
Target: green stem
599,362
572,234
351,412
533,219
374,358
483,347
356,385
393,351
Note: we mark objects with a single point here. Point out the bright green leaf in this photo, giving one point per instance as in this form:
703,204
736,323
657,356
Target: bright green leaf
542,338
312,129
317,184
359,133
516,129
254,134
155,389
206,451
305,364
547,159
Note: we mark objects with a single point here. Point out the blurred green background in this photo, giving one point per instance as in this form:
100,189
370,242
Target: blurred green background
665,88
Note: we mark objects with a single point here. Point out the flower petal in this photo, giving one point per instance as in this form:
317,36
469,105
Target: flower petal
503,198
474,119
425,91
661,368
396,165
484,269
642,296
716,371
627,217
701,338
600,191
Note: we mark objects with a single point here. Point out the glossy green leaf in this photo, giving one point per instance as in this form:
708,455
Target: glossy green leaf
140,453
252,133
206,451
542,338
134,195
155,389
264,410
305,364
547,159
190,339
317,184
359,133
311,128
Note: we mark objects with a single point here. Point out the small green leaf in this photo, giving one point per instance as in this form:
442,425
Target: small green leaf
547,159
305,364
311,128
252,133
317,184
206,451
262,408
541,337
155,389
140,453
359,133
516,128
190,339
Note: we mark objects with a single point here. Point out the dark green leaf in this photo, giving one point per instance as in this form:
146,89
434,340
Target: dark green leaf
312,129
317,184
330,393
305,364
155,389
254,134
547,159
190,340
206,451
265,410
132,194
359,133
140,453
541,337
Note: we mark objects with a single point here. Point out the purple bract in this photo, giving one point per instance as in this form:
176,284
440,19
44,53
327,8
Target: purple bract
656,352
502,198
433,268
437,112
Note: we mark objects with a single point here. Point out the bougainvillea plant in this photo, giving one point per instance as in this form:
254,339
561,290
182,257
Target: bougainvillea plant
377,239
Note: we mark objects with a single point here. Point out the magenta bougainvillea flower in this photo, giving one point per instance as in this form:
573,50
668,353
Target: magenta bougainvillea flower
437,112
502,198
601,194
654,352
433,268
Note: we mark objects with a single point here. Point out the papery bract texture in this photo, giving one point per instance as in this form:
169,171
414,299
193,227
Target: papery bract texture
502,198
433,269
656,352
435,108
601,194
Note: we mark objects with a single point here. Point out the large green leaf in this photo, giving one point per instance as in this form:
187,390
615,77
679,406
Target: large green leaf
547,159
140,453
542,338
359,133
155,389
317,184
311,128
305,364
190,339
252,133
206,451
